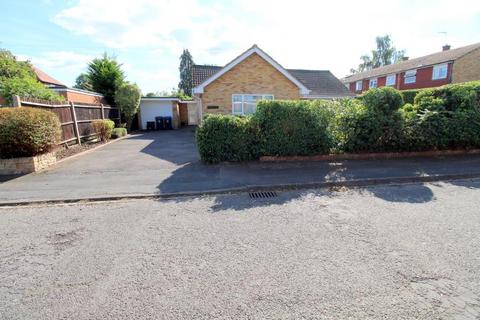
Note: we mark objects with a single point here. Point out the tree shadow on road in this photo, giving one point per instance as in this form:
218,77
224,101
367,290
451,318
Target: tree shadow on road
416,193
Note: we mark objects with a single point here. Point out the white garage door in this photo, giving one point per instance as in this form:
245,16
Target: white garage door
151,109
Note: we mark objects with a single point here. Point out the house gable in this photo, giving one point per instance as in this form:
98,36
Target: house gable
253,75
255,50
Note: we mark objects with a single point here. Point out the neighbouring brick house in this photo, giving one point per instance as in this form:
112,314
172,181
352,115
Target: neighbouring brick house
437,69
254,75
70,94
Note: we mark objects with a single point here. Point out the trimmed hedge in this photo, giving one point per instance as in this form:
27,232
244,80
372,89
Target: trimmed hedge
447,117
103,128
227,138
26,132
409,95
293,127
119,132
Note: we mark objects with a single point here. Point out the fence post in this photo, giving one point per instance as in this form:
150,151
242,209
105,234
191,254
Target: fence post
16,101
103,112
75,123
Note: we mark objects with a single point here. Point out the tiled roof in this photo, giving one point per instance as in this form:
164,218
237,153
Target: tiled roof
46,79
322,83
431,59
203,72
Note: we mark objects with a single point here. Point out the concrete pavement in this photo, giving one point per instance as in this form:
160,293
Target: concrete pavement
167,162
384,252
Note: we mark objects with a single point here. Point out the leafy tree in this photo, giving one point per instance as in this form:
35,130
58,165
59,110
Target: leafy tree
83,82
151,94
385,54
186,80
105,75
18,78
127,98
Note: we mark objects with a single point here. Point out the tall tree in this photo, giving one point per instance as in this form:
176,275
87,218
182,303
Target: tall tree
105,75
384,54
186,66
83,82
127,98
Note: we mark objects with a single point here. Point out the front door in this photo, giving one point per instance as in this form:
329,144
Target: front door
192,114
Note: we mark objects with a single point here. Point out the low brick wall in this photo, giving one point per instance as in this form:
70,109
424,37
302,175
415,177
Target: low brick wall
26,164
368,156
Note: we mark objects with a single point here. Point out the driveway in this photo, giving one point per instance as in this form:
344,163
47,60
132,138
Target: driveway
387,252
162,162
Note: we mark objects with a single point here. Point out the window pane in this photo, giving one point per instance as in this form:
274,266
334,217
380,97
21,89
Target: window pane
249,98
237,98
237,108
249,108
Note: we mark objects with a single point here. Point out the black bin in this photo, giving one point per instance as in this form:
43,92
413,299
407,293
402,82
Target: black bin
167,123
150,125
160,123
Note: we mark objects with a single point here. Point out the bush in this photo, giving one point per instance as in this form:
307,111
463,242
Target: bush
293,127
26,132
371,124
409,95
227,138
464,96
119,132
103,129
382,100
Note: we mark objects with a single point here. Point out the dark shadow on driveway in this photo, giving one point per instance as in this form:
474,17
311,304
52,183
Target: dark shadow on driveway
5,178
175,146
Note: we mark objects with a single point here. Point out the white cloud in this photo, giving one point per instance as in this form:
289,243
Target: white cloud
300,34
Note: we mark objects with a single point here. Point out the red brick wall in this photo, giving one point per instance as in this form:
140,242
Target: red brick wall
82,98
424,80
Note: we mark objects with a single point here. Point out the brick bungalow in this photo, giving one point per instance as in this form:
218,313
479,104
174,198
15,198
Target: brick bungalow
254,75
437,69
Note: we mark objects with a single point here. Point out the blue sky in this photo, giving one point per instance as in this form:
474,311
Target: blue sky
147,36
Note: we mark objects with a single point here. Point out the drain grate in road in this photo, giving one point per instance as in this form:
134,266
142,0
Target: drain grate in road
262,195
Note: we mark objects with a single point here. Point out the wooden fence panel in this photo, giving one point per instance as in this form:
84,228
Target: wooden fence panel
72,116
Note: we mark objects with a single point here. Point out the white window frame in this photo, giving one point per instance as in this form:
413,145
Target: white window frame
374,81
359,85
436,75
411,76
390,76
243,102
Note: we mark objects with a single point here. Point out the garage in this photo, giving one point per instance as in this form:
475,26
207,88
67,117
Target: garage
181,113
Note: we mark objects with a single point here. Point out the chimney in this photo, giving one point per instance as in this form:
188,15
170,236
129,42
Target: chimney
446,47
404,58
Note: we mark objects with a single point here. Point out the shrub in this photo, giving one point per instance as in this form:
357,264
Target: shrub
119,132
454,96
382,100
103,128
409,95
227,138
374,128
26,88
26,132
293,127
18,78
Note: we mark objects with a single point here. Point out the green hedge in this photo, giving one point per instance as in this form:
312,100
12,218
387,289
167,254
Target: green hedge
26,132
227,138
409,95
293,127
379,121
